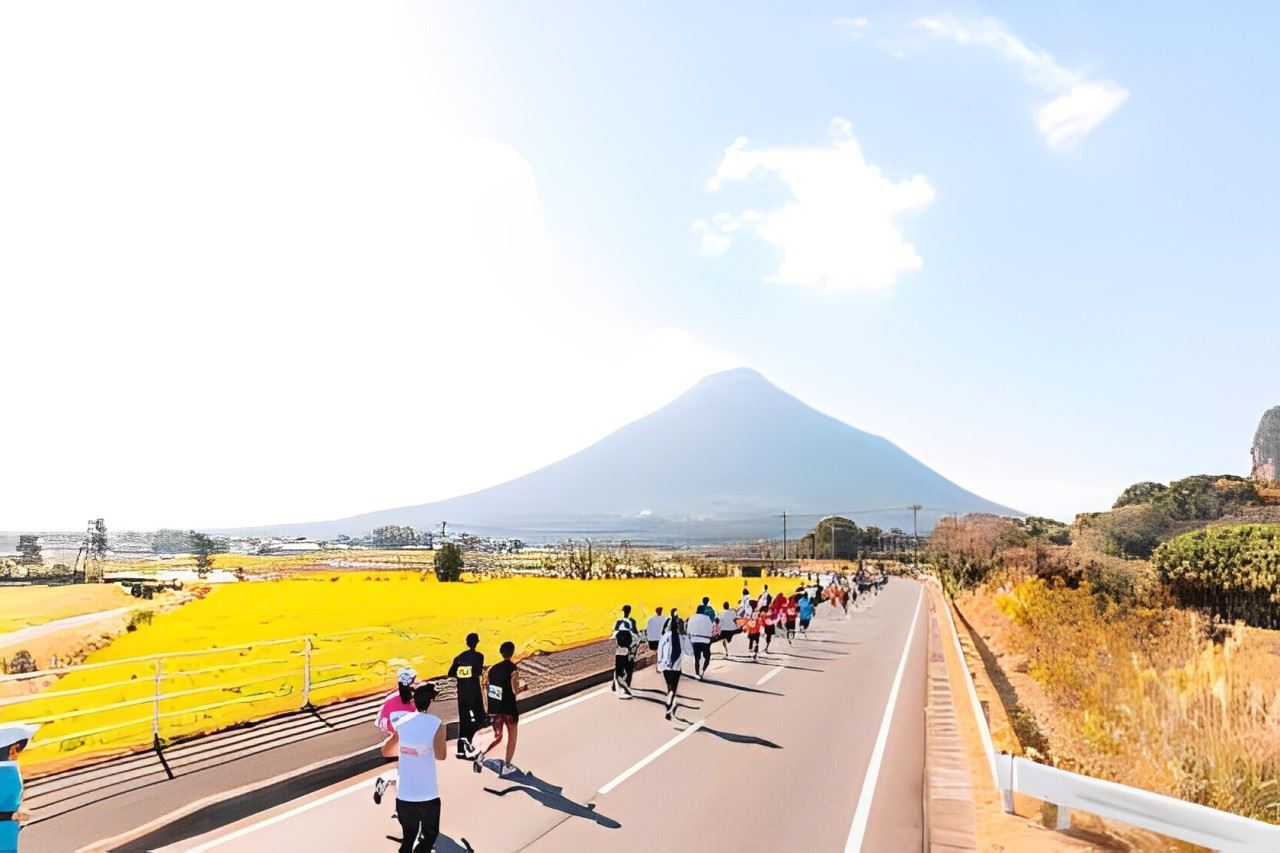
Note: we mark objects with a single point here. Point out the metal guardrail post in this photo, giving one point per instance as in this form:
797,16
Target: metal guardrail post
306,672
155,709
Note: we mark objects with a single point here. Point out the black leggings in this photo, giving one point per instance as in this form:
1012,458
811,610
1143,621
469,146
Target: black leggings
623,666
418,818
701,656
753,642
672,677
470,719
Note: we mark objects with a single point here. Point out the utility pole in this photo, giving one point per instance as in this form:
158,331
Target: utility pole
784,536
915,532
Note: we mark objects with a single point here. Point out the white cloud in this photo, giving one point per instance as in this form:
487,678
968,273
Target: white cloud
857,27
838,231
253,271
1079,104
1066,119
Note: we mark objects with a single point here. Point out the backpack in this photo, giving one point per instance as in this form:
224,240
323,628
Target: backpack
624,638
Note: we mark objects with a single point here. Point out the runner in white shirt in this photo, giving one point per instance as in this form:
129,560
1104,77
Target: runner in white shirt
418,741
700,629
653,629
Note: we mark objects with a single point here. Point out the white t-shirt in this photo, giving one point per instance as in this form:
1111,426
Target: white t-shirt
417,769
700,628
653,628
729,620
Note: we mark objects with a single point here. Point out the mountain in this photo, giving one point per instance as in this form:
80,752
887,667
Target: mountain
721,461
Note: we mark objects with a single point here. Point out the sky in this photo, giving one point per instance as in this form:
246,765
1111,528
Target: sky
267,262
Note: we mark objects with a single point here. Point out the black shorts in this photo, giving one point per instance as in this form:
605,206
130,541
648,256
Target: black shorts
729,635
653,645
769,630
804,623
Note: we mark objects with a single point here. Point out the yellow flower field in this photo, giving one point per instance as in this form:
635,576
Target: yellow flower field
362,626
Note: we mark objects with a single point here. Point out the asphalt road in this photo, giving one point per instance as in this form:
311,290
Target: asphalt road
817,746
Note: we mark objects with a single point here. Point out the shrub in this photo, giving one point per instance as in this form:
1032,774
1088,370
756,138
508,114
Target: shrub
1233,571
22,662
448,563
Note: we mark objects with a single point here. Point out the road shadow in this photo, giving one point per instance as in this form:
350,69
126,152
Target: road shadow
742,687
444,844
550,796
734,737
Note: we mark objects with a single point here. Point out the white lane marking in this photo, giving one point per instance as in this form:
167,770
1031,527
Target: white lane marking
862,813
364,785
283,816
648,759
771,673
555,709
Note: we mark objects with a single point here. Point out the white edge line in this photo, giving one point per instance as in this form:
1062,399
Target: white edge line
862,813
648,759
771,673
254,827
363,784
555,709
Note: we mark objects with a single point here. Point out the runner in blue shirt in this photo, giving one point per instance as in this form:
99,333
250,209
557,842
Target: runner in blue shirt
806,613
13,739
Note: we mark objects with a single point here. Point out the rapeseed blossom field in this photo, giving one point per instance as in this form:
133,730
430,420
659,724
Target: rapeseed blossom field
362,626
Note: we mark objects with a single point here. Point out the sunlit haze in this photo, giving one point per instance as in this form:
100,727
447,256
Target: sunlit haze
265,262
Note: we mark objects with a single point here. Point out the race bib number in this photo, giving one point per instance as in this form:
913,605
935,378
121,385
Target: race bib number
495,692
464,672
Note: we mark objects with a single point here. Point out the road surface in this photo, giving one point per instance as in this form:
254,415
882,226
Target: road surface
817,746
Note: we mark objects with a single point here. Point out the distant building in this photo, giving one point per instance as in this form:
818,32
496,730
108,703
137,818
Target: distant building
1266,446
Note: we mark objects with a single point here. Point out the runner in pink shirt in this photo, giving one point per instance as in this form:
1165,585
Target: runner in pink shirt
397,704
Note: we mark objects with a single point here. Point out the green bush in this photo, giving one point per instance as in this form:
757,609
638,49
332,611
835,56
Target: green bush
448,563
1232,570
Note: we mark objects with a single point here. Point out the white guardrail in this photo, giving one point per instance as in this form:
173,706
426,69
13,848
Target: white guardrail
1168,816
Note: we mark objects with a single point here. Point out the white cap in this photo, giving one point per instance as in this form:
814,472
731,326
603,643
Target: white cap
406,676
13,733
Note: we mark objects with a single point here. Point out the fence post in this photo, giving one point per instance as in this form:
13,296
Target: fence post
155,709
306,672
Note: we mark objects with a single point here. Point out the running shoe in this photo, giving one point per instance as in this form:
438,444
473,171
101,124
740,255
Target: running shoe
379,788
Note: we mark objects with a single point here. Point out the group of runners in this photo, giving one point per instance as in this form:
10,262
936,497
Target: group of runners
488,696
672,638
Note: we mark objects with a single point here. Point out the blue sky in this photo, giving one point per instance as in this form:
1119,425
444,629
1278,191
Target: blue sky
511,207
1083,318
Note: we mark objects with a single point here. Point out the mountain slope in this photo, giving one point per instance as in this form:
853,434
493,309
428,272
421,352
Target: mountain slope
722,460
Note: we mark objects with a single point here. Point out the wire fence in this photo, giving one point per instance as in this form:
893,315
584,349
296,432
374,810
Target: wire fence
150,701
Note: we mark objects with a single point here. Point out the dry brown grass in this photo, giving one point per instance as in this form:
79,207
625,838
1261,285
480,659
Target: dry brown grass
1157,698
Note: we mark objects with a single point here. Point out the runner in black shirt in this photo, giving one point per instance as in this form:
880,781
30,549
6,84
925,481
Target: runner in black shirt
504,686
467,669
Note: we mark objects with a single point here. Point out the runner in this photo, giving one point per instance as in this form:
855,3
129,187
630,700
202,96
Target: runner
671,652
467,669
806,614
397,704
626,644
744,604
653,628
765,598
728,626
701,630
791,612
628,660
417,739
770,627
705,607
753,625
504,712
13,739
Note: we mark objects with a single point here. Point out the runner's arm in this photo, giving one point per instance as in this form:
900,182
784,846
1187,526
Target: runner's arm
517,686
391,746
441,754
